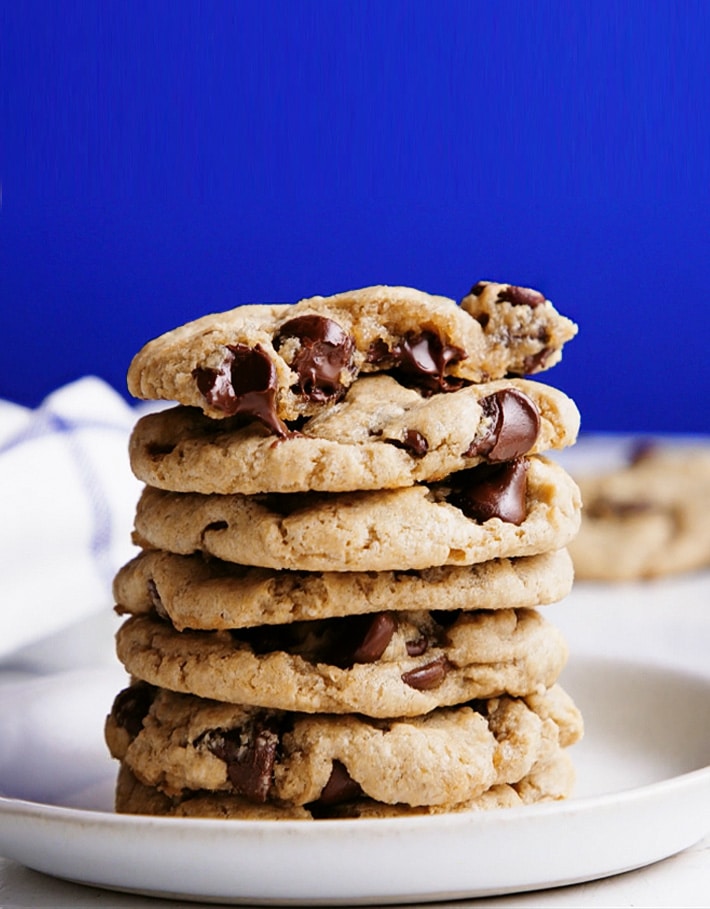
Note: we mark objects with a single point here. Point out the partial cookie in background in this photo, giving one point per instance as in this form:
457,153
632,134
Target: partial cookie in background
383,435
380,665
646,519
202,593
177,743
276,363
517,508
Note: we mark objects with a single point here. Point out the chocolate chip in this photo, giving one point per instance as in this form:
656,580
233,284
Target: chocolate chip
477,289
131,707
422,360
429,676
536,362
521,296
492,491
514,422
418,647
413,442
642,450
244,384
341,787
338,641
249,753
325,351
378,634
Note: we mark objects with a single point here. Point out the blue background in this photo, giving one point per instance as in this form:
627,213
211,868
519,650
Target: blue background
163,160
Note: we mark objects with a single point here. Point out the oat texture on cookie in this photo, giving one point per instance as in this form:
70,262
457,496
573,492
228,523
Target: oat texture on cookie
348,529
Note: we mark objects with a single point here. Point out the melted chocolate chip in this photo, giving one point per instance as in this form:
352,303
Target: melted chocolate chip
325,351
422,360
131,707
413,442
245,384
492,491
521,296
341,787
339,642
250,754
429,676
514,422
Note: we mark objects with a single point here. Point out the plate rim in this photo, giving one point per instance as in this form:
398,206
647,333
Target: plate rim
29,835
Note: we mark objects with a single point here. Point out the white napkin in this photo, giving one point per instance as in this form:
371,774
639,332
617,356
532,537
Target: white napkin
67,503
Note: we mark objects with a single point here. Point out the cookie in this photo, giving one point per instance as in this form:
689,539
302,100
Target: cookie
547,781
646,519
517,508
444,758
207,594
382,435
276,363
381,665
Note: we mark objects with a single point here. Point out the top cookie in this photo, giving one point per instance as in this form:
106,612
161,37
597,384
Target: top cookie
276,363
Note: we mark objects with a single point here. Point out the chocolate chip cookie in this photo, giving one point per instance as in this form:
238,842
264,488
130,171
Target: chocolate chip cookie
648,518
177,743
516,508
382,664
277,363
208,594
548,780
383,435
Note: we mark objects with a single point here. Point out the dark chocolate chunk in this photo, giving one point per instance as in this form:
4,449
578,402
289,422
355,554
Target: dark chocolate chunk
341,787
325,351
521,296
422,360
536,362
338,641
377,636
492,491
245,384
514,422
131,707
429,676
413,442
249,753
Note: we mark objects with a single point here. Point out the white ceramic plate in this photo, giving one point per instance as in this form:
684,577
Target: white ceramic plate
643,794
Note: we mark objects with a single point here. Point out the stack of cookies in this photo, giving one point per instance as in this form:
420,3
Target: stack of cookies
347,528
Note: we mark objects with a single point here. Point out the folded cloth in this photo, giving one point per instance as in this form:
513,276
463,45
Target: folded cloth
67,502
